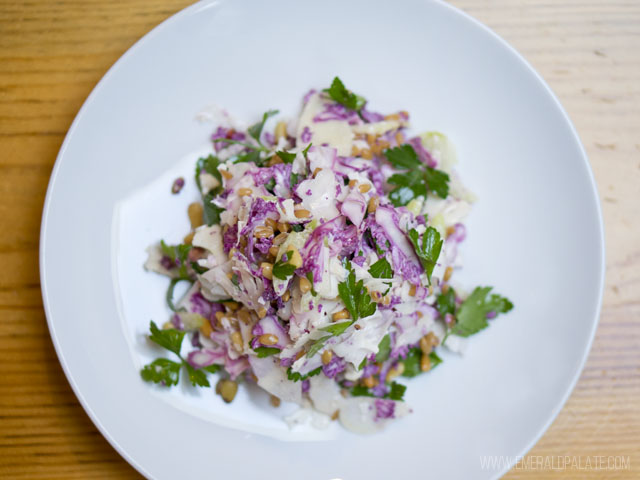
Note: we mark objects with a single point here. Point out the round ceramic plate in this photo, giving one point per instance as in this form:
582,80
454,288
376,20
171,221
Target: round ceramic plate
535,234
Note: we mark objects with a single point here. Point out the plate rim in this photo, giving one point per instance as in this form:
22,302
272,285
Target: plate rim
206,4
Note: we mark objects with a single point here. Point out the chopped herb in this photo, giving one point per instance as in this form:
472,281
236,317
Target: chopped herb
362,363
167,372
270,185
429,252
339,93
354,296
317,345
286,157
446,302
211,212
178,255
293,180
266,351
169,338
282,269
381,269
253,156
412,362
197,376
306,151
297,227
416,179
163,371
310,278
403,157
337,329
212,368
384,349
297,376
256,130
210,165
197,268
235,280
361,391
435,359
397,391
472,315
169,294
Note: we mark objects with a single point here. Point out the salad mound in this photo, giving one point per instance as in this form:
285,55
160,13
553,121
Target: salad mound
320,262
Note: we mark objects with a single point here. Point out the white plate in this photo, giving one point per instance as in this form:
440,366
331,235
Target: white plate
536,233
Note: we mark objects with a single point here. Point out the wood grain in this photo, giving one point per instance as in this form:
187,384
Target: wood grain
53,53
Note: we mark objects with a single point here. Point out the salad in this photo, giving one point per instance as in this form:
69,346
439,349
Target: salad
320,262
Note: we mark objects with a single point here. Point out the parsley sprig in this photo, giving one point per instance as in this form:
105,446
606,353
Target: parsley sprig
167,372
429,251
381,269
396,391
282,269
354,296
339,93
416,179
471,317
357,302
412,362
210,165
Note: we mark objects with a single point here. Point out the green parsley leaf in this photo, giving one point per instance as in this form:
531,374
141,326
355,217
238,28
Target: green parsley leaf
412,363
178,255
355,298
472,315
446,302
171,339
337,329
162,371
253,156
297,227
429,252
361,391
310,278
286,157
293,180
169,294
403,157
397,391
381,269
256,130
270,185
210,165
297,376
211,212
317,345
306,151
197,376
197,268
281,269
211,368
384,349
362,363
437,181
416,179
339,93
264,352
435,360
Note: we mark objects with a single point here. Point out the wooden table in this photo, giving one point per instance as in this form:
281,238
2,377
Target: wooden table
53,53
